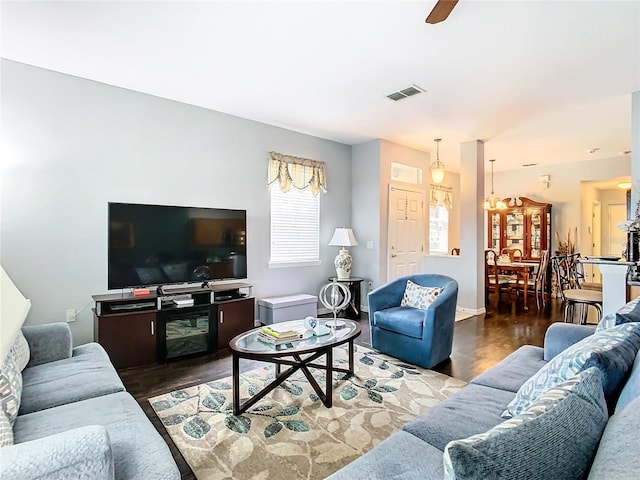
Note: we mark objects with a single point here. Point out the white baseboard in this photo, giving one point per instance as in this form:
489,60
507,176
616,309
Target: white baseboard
472,311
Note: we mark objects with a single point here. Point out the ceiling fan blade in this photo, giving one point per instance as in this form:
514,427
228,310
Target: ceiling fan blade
441,11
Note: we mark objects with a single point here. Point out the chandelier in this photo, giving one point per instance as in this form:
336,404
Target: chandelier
492,202
437,168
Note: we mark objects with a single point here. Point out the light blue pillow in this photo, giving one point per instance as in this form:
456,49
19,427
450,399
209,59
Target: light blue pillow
417,296
612,350
556,437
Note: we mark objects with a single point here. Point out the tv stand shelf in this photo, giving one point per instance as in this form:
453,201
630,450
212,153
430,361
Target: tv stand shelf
132,328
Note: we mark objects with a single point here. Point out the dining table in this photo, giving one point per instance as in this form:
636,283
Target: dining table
522,270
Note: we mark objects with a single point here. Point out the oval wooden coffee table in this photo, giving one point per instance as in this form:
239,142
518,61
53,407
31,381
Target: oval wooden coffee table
297,355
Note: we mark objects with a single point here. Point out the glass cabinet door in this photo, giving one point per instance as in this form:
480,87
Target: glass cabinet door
495,232
526,226
535,234
514,231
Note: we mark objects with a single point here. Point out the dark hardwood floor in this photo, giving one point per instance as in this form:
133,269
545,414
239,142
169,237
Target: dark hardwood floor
479,342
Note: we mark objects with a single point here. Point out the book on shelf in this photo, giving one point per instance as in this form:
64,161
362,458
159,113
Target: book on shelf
266,338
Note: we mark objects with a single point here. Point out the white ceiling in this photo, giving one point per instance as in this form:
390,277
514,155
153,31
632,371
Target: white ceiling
538,81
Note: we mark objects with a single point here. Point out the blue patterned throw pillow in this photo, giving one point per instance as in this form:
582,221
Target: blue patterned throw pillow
629,312
10,388
20,350
612,350
417,296
6,432
608,321
556,437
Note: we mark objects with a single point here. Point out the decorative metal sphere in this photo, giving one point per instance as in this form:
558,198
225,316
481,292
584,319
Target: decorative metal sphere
335,296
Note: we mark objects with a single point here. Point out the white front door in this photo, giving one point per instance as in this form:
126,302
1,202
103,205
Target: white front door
616,238
596,242
406,232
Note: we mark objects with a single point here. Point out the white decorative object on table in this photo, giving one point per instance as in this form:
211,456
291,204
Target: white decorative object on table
339,298
313,328
343,237
310,323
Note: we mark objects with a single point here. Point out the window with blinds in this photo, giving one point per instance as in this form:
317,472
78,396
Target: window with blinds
295,227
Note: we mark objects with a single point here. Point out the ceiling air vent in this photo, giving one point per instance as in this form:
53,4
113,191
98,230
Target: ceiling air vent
405,92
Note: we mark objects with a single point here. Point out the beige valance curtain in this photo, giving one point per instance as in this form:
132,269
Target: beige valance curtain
299,172
441,195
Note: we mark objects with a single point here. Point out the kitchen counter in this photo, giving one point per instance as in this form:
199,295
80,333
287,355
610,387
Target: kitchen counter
614,281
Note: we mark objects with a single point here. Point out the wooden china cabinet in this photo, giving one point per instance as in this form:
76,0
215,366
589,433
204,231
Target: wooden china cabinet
526,226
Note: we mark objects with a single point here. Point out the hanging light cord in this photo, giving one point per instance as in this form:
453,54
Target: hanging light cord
493,160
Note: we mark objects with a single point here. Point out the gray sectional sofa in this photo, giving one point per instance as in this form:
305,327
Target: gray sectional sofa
417,451
75,419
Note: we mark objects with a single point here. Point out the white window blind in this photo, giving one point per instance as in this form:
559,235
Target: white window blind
295,227
438,229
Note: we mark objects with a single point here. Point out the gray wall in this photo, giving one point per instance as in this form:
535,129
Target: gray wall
72,145
365,181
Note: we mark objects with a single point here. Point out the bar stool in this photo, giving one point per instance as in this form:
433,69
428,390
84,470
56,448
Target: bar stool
578,273
572,295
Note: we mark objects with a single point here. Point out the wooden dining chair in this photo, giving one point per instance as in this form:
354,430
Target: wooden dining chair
494,282
536,285
515,254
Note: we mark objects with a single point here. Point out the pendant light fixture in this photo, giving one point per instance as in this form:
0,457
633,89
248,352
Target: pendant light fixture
492,202
437,168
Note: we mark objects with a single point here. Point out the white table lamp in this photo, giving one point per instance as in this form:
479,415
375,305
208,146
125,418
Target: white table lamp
343,237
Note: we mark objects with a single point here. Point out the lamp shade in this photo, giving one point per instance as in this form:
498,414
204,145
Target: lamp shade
343,237
437,172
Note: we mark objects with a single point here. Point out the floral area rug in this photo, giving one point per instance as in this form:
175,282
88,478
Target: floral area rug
290,434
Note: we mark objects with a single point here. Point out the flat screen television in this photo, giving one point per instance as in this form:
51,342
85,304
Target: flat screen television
158,245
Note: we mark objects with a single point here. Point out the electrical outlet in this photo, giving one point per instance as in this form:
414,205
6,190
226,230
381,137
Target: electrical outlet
71,315
370,285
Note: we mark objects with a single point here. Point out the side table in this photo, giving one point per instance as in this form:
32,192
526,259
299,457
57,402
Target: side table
353,309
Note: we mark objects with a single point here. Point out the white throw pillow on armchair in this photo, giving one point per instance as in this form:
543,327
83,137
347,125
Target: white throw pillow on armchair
417,296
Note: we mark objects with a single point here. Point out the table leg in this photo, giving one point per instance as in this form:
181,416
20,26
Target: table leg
329,379
355,299
351,356
236,385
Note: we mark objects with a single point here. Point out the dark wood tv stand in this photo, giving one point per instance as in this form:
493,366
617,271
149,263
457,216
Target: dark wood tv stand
127,326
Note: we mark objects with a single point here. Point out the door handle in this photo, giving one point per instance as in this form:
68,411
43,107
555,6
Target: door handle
393,255
152,329
221,316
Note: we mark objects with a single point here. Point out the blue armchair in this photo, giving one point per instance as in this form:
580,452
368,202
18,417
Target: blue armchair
421,337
